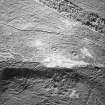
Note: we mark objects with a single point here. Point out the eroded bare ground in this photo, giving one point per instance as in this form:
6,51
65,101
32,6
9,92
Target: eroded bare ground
49,86
52,53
